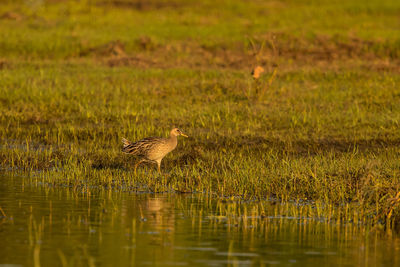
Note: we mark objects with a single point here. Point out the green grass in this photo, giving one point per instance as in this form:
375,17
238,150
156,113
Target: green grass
326,129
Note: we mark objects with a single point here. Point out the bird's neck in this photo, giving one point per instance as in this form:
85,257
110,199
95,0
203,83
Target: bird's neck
173,139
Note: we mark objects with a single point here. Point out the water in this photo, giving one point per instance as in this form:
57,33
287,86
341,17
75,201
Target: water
47,226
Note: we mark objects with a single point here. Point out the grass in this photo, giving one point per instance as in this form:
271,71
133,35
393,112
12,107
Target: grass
75,77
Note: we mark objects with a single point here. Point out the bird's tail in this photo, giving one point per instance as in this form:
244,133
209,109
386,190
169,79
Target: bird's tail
127,145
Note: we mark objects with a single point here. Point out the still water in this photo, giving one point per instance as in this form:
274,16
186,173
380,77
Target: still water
52,226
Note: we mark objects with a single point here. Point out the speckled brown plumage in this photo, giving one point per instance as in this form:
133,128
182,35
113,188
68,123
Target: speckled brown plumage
152,149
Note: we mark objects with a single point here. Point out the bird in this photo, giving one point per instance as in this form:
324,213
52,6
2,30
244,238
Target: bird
152,149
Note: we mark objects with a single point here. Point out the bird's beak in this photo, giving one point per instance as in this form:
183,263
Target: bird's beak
184,135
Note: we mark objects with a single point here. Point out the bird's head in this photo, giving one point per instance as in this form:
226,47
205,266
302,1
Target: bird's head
177,132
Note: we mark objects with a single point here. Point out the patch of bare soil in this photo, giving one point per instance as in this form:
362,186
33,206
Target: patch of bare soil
114,48
268,52
146,43
325,48
11,16
382,65
4,64
142,4
113,54
134,61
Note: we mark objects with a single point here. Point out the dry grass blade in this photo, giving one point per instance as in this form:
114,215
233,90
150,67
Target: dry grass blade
265,87
2,212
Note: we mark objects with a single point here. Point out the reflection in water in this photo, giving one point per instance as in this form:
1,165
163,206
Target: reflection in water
62,227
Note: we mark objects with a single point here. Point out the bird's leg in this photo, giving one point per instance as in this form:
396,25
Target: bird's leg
137,164
159,165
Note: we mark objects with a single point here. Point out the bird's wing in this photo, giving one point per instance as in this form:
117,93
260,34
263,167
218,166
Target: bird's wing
140,147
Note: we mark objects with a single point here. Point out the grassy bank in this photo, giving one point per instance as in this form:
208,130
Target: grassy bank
76,77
